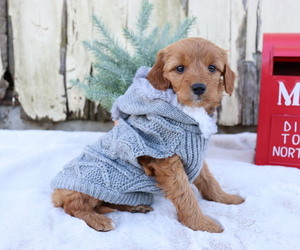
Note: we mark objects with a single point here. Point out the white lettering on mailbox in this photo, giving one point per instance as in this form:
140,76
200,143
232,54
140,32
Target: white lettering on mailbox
286,152
287,126
292,99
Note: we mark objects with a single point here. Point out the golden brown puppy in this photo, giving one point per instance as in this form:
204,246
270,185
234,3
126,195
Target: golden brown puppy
198,72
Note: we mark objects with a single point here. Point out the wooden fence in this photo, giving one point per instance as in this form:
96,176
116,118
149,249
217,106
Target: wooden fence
41,47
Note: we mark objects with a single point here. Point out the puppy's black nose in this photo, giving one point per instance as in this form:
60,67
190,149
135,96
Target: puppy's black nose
198,88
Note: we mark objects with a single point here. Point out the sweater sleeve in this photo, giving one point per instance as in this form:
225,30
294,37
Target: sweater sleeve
145,135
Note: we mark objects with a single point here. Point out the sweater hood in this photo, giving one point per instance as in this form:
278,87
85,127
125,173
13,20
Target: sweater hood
141,98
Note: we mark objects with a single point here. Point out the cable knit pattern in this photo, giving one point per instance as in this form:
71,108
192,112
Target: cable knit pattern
150,123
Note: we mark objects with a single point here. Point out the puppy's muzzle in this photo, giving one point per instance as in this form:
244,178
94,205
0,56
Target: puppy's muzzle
198,88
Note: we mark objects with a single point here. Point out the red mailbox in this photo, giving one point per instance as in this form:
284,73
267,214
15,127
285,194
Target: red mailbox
278,133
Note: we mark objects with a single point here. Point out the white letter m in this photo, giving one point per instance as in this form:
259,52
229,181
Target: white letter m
288,98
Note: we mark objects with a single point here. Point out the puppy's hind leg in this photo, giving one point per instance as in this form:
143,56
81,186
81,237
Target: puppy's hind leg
211,190
83,207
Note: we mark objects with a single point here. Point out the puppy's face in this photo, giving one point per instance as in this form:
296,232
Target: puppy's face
197,71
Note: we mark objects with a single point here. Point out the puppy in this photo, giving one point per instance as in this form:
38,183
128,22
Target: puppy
165,120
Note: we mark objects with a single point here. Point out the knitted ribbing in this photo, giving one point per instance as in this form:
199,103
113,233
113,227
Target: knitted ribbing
109,169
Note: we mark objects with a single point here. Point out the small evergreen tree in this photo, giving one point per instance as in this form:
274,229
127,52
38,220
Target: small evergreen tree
114,66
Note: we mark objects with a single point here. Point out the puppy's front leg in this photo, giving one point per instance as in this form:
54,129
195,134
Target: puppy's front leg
211,190
171,177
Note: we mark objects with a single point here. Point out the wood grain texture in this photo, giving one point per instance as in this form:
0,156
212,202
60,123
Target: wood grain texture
36,41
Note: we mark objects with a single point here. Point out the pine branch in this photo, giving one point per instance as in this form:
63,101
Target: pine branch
144,16
98,51
102,29
114,66
109,43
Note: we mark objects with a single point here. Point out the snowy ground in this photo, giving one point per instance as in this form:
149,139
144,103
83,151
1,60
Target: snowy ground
269,218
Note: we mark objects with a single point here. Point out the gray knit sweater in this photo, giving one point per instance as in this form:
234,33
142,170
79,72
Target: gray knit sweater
149,124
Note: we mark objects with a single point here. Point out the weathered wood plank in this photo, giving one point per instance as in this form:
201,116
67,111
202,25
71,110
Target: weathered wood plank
79,27
1,67
78,15
220,22
212,23
3,35
230,113
249,93
114,14
3,83
37,39
3,47
248,66
278,16
210,27
168,11
252,28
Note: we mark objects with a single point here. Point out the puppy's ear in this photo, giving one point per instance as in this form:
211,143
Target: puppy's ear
229,78
156,74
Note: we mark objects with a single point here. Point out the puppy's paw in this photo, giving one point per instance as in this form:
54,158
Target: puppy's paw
205,223
231,199
140,209
211,226
101,223
236,199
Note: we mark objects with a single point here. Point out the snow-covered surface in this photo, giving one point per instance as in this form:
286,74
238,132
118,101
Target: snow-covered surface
268,219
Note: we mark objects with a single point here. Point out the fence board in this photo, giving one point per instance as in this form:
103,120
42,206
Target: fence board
3,36
36,41
171,11
231,109
3,47
1,67
213,20
220,22
279,16
78,61
252,29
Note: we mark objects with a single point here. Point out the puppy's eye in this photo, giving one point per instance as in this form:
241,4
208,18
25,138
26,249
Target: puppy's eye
212,68
180,69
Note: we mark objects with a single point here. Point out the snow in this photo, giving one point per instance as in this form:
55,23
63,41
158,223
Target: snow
268,219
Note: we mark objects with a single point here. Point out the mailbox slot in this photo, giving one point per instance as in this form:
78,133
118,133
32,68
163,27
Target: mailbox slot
286,66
